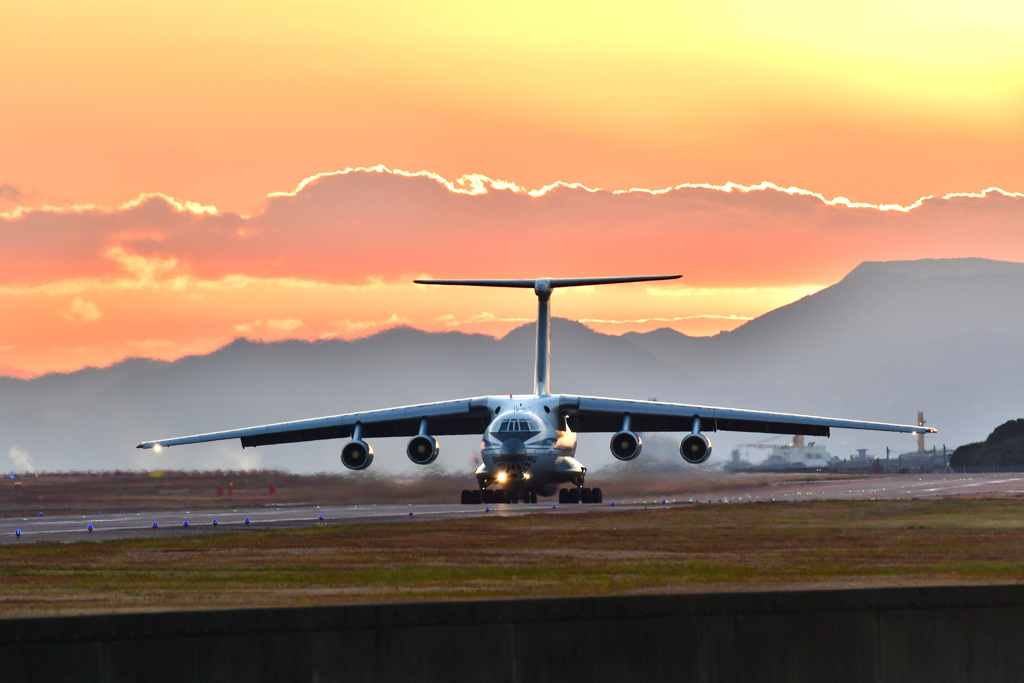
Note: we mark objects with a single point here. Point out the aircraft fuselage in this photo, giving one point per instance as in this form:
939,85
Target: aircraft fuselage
529,447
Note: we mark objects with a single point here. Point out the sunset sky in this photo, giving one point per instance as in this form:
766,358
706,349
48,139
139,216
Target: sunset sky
174,175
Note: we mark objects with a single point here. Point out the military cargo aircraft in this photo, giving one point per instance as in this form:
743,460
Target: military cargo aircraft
528,447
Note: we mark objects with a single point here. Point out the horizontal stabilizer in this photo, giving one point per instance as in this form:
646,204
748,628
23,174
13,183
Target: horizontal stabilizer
552,282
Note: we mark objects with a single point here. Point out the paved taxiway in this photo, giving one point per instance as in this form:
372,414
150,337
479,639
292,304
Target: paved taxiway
111,524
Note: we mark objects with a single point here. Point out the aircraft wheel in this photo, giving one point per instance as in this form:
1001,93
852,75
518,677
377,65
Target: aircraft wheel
476,497
586,497
563,496
533,497
465,496
597,496
572,496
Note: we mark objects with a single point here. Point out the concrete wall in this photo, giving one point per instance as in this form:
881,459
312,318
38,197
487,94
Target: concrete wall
923,634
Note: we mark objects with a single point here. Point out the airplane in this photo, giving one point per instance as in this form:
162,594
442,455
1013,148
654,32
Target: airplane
528,446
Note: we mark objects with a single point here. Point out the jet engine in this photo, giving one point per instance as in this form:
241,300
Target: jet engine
626,445
695,448
422,449
357,455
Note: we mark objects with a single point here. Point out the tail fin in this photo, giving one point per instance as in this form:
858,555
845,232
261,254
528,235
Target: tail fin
542,288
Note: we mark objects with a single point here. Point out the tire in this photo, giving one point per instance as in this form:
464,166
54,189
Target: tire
533,497
476,497
563,496
586,497
465,497
572,496
597,496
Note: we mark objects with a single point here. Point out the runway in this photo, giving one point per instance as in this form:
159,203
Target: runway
114,524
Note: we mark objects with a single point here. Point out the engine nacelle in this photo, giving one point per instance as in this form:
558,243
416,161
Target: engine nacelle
695,449
357,455
626,445
422,449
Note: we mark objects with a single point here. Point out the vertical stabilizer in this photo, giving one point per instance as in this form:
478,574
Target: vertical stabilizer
542,288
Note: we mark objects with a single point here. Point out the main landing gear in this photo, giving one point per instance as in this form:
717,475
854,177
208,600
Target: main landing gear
497,495
580,495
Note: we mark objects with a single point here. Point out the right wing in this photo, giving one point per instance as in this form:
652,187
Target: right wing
598,414
462,416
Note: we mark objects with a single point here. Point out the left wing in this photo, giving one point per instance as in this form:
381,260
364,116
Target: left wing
462,416
596,414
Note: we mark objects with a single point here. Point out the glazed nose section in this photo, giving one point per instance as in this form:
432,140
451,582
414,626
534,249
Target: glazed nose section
512,450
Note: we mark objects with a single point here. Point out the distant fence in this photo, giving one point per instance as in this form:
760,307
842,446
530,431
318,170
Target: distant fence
908,634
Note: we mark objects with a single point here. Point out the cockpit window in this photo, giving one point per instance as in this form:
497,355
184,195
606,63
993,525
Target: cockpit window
519,426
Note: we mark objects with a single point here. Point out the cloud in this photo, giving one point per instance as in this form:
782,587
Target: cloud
485,317
675,319
791,292
347,329
277,325
22,459
82,311
349,226
335,258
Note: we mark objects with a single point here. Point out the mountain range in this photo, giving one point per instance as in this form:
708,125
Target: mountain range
889,339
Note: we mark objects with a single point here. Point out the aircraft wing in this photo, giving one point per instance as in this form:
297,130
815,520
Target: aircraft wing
463,416
596,414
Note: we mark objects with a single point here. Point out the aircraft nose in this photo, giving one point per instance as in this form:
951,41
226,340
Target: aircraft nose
512,450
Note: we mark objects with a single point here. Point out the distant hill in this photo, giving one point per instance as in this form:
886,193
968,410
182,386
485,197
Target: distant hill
942,336
1004,447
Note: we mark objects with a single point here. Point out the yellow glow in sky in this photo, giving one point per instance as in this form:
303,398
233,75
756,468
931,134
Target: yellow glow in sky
224,102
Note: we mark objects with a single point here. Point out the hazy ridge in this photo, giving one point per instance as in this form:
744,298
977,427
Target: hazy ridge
944,336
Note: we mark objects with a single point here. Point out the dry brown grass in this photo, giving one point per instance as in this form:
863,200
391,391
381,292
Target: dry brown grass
551,553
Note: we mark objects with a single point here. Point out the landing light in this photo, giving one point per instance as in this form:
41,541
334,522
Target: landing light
157,448
502,476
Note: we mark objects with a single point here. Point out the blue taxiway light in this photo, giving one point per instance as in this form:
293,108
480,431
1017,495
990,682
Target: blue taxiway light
155,525
90,528
185,523
321,517
215,522
17,532
246,520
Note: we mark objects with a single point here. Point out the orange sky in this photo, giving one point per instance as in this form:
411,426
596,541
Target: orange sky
219,105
